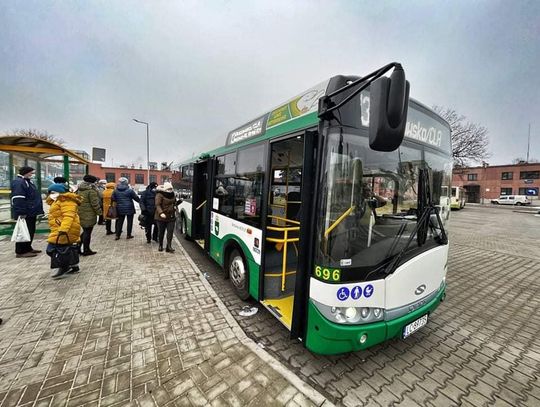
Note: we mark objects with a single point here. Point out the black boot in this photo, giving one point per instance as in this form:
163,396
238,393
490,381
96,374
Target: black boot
61,271
160,249
169,249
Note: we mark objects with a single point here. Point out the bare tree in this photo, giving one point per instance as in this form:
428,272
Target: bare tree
37,134
469,140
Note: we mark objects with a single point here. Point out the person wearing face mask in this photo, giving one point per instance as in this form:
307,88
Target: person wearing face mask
148,209
64,222
165,214
26,202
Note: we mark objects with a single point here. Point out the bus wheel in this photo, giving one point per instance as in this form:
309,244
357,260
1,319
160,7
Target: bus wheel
184,227
239,274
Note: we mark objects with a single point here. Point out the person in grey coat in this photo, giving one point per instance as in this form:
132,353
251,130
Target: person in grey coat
123,197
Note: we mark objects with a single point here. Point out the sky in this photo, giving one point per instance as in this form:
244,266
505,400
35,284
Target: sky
82,70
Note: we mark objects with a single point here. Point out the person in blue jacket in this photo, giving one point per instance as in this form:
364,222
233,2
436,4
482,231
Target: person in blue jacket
26,203
123,197
148,209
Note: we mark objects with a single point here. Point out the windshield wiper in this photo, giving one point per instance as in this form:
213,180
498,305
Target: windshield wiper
421,220
426,208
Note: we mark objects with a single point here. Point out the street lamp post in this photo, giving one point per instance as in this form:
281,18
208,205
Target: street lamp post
147,150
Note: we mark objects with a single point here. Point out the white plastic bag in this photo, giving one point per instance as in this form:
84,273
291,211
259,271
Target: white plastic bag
20,232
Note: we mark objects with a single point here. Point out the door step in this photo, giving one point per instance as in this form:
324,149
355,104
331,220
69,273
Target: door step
282,308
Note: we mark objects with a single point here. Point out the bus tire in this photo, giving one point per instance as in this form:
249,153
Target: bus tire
183,226
238,274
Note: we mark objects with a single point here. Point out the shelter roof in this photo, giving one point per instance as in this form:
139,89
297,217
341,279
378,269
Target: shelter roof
37,148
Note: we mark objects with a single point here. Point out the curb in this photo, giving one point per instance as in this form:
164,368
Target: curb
303,387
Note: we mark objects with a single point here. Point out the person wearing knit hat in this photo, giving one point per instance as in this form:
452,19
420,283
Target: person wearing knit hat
123,197
89,210
64,224
165,216
26,203
60,188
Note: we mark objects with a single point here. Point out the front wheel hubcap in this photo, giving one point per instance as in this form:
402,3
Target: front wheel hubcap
238,272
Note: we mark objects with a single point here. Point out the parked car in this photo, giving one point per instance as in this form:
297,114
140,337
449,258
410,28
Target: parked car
512,200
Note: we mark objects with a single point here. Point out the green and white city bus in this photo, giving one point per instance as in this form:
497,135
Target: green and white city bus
330,211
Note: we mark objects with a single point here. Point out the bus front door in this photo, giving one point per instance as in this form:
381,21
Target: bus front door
200,231
281,246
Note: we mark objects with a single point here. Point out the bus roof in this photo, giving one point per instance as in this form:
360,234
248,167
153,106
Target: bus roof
297,113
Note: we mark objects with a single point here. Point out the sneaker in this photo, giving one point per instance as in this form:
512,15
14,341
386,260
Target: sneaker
74,269
117,238
109,233
35,251
130,237
88,253
27,254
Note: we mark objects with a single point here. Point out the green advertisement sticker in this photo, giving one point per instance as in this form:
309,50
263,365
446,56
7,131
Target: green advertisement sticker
279,115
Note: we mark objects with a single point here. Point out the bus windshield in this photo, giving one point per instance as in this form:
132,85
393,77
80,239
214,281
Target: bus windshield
368,203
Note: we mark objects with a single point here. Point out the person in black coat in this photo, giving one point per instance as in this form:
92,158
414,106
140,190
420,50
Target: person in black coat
148,209
26,202
123,197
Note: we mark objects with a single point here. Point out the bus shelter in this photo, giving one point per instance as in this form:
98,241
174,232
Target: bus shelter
49,159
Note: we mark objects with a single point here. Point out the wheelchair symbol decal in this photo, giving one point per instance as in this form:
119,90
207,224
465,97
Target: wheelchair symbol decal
343,293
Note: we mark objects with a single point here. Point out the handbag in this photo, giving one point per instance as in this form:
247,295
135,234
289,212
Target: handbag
63,256
142,220
20,231
112,213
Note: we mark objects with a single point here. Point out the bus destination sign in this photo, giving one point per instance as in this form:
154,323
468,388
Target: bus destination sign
252,129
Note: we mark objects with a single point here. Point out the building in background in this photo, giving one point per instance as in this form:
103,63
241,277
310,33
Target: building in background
137,176
487,182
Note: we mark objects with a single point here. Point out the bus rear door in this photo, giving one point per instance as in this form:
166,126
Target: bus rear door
202,182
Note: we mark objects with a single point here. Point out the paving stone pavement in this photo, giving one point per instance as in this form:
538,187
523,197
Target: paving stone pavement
480,347
134,327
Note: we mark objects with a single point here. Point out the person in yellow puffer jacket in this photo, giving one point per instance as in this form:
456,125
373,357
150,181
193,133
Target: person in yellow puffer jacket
107,202
63,221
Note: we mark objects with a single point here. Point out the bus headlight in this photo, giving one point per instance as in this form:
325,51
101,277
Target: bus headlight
350,315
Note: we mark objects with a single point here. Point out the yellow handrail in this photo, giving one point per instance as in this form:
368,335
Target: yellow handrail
285,241
275,240
200,206
294,222
283,229
338,221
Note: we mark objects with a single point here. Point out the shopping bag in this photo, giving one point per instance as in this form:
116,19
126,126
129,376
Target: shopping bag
20,232
112,213
63,256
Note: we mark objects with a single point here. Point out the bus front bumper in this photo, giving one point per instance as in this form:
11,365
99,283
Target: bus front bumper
328,338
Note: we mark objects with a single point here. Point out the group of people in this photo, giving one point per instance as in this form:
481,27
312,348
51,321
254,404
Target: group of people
74,214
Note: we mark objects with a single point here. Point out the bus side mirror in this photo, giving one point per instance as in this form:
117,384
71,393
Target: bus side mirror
389,101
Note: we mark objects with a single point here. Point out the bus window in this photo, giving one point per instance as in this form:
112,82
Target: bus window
238,186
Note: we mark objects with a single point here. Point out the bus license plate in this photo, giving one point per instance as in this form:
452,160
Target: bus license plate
414,326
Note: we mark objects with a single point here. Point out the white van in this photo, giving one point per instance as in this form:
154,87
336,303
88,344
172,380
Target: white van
512,200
